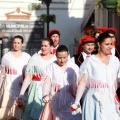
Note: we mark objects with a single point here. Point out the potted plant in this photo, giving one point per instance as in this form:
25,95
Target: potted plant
47,18
114,4
93,31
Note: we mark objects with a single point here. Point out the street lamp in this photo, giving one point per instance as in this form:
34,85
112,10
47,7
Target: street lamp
47,2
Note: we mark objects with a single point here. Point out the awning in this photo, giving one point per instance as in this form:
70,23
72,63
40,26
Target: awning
87,17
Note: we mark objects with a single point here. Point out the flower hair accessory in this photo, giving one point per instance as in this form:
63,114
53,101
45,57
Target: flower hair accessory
93,31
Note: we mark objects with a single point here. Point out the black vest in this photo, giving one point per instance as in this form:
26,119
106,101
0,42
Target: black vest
78,59
117,54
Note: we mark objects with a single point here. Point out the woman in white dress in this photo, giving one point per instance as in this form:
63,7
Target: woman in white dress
99,75
34,76
12,65
60,86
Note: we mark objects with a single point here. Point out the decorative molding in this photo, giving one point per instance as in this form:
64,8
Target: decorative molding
21,1
18,15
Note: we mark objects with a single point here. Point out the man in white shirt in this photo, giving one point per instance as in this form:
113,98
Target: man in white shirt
55,36
88,44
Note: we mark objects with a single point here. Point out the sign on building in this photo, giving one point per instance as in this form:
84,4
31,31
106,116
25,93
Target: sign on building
32,31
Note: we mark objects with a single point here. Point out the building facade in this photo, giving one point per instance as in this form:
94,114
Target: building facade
101,18
17,18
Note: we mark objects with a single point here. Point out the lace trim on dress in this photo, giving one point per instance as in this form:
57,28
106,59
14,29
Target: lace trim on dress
13,82
101,89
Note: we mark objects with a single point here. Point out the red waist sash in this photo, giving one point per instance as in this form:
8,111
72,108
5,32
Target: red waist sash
36,77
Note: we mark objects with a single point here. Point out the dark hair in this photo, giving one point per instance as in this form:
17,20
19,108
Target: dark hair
49,40
61,48
102,37
110,32
20,37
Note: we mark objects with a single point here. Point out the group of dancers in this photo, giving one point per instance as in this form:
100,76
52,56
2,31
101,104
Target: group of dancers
52,86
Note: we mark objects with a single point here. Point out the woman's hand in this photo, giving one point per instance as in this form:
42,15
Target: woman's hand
20,104
75,109
46,98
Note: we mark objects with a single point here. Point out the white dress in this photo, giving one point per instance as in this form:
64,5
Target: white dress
14,69
99,102
61,96
10,89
